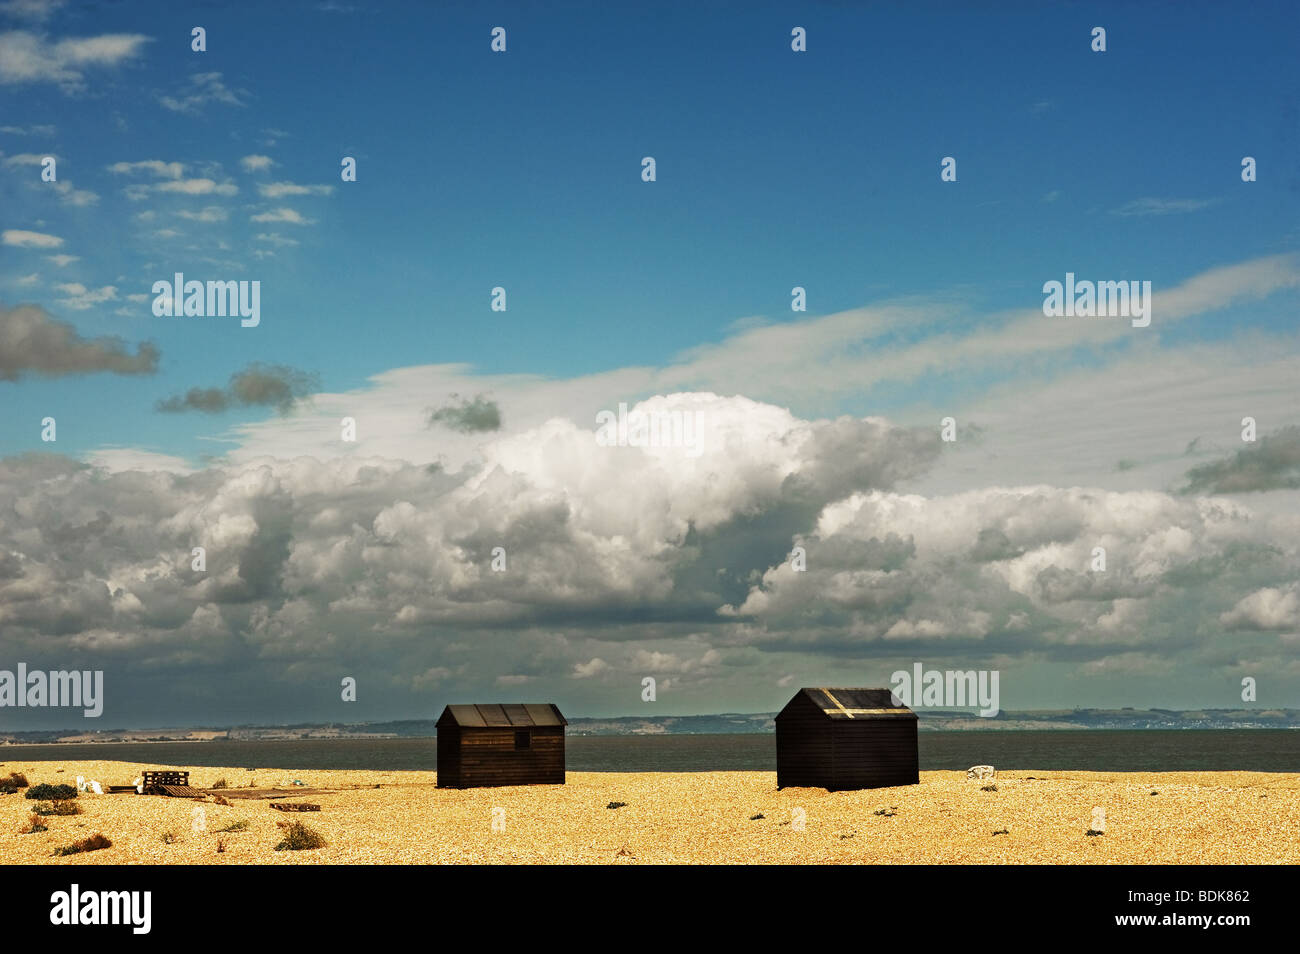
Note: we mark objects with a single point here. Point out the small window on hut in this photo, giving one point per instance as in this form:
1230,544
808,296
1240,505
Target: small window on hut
523,739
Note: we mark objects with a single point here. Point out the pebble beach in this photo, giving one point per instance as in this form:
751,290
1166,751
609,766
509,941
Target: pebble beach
1037,817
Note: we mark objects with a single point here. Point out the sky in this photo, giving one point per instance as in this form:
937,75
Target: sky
477,428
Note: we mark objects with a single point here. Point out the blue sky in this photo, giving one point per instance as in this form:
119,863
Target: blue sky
522,170
774,169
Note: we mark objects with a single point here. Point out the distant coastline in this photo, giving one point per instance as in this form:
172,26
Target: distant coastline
931,720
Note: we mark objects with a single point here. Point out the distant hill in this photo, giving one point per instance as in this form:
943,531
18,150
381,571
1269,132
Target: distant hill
724,723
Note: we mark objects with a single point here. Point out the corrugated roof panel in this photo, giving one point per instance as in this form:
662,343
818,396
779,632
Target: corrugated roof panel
855,703
517,714
544,713
826,698
506,714
493,714
466,715
865,698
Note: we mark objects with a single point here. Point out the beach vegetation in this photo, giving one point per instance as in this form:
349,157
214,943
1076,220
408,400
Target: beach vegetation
45,792
90,843
299,837
12,782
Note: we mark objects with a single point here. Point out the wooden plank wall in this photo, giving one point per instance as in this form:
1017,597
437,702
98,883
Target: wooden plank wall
874,753
804,750
487,756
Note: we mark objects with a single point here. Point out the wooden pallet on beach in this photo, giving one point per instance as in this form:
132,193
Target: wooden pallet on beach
156,781
179,791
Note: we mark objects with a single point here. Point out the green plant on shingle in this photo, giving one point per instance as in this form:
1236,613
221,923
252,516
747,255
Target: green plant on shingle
50,793
91,843
298,837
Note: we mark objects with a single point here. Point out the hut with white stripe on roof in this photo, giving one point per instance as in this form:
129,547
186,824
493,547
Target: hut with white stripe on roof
841,739
500,744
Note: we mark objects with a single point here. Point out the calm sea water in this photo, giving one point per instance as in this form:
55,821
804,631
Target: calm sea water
1258,750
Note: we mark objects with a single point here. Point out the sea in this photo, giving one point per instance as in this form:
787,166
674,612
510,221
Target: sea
1108,750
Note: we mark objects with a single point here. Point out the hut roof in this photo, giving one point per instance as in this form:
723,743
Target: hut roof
505,714
855,703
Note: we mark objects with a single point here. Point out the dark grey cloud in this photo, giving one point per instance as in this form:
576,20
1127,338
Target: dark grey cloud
258,385
468,416
1272,463
11,566
207,400
993,545
274,385
33,342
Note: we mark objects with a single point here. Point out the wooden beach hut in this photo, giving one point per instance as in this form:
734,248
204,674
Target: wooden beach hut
841,739
500,744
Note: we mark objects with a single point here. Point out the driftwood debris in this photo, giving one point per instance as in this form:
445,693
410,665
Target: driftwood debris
267,793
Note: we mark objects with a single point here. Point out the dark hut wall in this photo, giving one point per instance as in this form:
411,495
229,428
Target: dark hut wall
874,753
805,750
448,767
488,756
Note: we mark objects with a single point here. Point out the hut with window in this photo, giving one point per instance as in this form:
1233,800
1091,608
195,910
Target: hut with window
500,744
841,739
